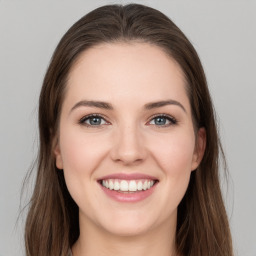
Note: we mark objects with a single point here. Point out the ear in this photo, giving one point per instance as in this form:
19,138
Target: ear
200,145
57,153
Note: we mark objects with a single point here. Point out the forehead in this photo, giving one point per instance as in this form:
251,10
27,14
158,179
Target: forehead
114,70
125,53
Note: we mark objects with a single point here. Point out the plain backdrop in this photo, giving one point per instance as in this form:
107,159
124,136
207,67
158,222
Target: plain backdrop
224,34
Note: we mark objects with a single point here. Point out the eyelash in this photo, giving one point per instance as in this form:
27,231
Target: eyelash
169,118
85,118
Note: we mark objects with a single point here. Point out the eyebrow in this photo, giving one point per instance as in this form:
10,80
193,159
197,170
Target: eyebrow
108,106
92,103
159,104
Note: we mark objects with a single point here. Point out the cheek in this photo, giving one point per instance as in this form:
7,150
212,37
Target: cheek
176,162
81,155
79,150
174,156
174,153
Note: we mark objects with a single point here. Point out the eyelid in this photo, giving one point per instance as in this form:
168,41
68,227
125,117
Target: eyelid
84,118
170,118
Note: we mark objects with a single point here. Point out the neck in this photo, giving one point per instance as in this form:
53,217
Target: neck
160,241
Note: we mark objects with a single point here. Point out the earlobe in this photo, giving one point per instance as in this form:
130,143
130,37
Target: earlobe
199,148
58,157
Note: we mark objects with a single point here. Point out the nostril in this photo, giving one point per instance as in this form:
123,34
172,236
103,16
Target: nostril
128,158
128,147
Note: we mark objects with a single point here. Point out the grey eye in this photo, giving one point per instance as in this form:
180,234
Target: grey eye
162,121
94,121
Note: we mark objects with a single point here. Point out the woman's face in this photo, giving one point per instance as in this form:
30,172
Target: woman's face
126,140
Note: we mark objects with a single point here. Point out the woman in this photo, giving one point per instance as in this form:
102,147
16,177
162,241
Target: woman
128,161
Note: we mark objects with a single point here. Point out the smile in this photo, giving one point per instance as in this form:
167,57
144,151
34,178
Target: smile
128,188
128,185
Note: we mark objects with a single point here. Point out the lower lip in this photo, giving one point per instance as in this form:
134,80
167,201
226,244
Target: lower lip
128,197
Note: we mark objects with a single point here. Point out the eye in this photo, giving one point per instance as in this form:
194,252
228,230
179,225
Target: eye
162,120
93,120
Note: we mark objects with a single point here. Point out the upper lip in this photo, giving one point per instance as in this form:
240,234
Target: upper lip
128,176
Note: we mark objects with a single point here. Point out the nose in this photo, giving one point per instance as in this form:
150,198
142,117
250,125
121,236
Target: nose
128,146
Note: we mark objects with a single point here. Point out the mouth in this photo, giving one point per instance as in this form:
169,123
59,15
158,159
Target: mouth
128,186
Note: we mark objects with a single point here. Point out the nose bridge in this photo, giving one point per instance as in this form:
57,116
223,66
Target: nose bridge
128,144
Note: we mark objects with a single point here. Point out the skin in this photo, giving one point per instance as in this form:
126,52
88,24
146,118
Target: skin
127,140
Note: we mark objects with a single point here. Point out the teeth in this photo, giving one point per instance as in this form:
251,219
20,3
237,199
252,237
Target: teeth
145,185
124,186
116,185
139,186
110,185
128,185
132,186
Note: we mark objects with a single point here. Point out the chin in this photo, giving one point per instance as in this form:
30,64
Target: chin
127,230
131,223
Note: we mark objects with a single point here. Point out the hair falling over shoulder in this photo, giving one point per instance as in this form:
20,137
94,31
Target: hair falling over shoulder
52,223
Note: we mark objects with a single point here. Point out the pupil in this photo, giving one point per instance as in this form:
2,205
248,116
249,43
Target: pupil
160,120
95,121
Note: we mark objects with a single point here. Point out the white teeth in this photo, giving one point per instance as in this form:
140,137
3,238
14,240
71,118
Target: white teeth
132,185
139,186
145,185
110,185
116,185
127,185
124,185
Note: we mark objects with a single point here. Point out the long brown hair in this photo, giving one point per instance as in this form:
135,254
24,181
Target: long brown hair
52,224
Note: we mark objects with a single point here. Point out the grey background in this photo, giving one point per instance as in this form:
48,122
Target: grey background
224,34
